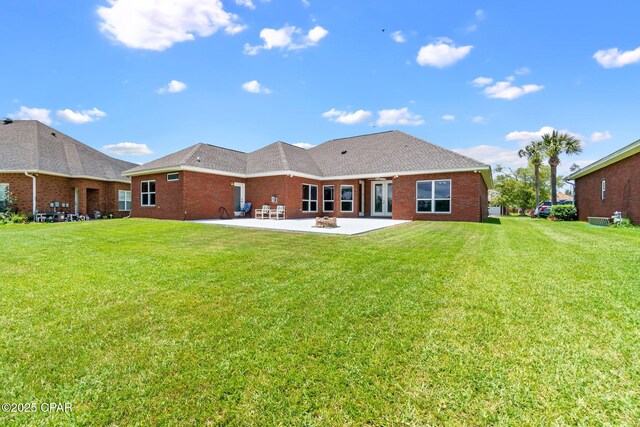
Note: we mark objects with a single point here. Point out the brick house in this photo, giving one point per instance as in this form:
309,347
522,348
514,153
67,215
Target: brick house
387,174
612,184
41,166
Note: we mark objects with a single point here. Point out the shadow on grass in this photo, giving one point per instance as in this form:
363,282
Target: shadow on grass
492,220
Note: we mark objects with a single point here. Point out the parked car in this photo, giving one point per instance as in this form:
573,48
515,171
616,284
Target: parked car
565,202
543,210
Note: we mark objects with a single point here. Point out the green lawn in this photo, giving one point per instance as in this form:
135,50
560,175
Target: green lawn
142,322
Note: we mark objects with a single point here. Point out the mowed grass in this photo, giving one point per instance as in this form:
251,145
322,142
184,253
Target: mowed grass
143,322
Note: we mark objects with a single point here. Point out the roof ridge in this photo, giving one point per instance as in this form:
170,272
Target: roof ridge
364,134
190,154
283,155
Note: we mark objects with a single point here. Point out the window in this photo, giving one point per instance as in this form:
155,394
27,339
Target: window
327,198
4,197
309,198
603,188
346,198
173,176
124,200
148,193
433,196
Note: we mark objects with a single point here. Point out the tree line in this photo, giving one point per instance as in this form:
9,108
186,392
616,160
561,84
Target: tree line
525,187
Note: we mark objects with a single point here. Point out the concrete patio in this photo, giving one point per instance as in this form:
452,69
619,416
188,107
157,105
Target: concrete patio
346,226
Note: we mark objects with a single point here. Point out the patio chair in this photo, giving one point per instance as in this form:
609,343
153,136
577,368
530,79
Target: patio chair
265,210
279,212
245,210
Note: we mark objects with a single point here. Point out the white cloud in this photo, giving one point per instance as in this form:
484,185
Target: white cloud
127,149
246,3
493,155
401,116
441,53
523,135
347,118
255,87
398,37
482,81
601,136
505,90
174,86
614,58
480,15
306,3
159,24
40,114
287,38
470,28
448,117
478,120
522,71
304,145
80,117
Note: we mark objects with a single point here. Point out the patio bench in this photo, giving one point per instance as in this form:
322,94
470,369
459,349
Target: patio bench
600,221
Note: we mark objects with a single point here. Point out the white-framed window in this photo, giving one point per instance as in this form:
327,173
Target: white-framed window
124,200
603,189
433,196
148,193
346,198
309,198
327,198
4,197
173,176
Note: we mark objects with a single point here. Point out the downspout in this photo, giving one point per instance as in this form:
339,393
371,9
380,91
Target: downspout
34,200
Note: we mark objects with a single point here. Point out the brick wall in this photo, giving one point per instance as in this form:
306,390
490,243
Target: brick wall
468,197
622,191
169,197
198,196
55,188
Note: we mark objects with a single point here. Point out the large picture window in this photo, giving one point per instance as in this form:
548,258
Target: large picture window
309,198
148,193
4,197
433,196
346,198
124,200
327,198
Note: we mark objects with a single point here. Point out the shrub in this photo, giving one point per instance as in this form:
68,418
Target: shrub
624,223
564,213
12,218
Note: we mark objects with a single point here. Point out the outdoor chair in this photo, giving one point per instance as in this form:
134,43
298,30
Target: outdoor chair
245,209
278,213
265,210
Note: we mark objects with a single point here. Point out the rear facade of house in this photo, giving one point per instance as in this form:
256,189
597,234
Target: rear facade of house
387,174
612,184
46,170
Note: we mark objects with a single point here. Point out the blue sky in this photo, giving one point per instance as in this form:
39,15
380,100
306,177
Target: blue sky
142,78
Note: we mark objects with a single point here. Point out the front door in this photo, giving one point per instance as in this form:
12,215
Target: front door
238,197
381,198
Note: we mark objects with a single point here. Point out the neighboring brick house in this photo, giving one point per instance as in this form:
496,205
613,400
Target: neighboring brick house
612,184
387,174
41,166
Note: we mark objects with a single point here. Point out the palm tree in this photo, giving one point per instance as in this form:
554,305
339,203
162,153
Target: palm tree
534,152
554,145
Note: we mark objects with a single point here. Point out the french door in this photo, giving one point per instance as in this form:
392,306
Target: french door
381,198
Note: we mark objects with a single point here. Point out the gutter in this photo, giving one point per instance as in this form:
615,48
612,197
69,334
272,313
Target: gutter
34,196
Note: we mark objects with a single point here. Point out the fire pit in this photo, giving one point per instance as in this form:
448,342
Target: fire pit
326,222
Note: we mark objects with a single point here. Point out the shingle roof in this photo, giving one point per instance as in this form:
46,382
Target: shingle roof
385,152
378,153
281,156
28,145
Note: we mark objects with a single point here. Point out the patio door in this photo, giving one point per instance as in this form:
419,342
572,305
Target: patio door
238,197
381,198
